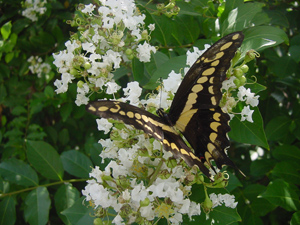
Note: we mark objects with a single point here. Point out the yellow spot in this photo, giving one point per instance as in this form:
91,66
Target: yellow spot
217,56
202,80
211,80
122,113
214,126
138,116
174,146
208,71
184,152
210,148
115,110
102,108
208,157
197,88
211,89
145,118
215,63
213,100
192,98
167,128
166,142
213,136
216,116
157,135
236,36
148,128
139,122
92,108
198,61
225,46
130,114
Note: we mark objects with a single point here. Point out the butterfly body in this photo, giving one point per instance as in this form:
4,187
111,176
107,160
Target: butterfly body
195,110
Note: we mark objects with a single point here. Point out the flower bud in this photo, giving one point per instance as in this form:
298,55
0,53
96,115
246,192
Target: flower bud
245,68
80,84
97,221
242,80
238,72
145,202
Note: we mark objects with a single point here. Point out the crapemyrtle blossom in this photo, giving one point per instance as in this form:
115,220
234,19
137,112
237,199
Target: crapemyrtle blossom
33,9
38,67
110,34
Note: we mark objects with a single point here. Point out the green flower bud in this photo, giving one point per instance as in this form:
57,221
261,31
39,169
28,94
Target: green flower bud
207,204
80,84
242,80
245,68
145,34
87,65
128,51
250,55
145,202
97,221
238,72
237,82
236,57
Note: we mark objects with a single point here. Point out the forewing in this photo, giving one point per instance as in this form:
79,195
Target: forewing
201,86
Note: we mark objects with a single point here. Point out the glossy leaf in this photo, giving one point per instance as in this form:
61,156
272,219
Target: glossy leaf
8,211
282,194
79,213
246,132
18,172
45,159
64,198
37,206
76,163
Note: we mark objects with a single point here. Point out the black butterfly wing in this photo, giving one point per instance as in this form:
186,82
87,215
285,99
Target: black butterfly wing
195,109
150,124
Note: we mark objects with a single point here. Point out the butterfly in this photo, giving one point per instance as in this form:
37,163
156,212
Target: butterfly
194,112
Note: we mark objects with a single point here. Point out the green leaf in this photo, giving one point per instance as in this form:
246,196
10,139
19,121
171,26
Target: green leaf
246,132
259,206
262,37
37,206
294,51
18,172
138,71
282,194
65,111
157,60
8,211
288,170
278,128
224,215
287,152
64,136
6,30
45,159
76,163
79,214
240,17
259,168
64,198
295,218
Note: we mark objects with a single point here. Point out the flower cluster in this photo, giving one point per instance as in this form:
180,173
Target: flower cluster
33,9
110,34
38,67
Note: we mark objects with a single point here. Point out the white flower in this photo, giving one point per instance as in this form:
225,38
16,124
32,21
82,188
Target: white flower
227,84
144,52
151,27
172,82
191,57
247,114
118,220
112,87
219,199
88,9
133,92
81,99
104,125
